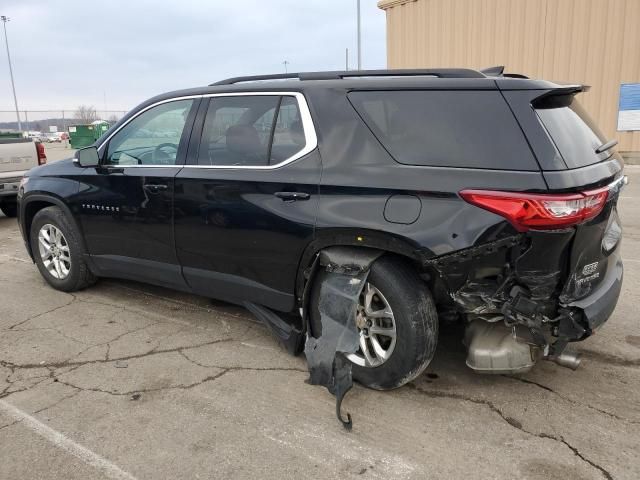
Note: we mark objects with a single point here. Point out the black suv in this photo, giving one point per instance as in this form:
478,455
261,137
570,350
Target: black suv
476,197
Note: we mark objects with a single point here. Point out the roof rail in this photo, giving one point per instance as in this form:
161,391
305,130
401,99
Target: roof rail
337,75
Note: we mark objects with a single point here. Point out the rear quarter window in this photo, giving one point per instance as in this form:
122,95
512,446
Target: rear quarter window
468,129
573,132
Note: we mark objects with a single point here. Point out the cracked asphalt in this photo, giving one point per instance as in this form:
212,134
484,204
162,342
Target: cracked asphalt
125,380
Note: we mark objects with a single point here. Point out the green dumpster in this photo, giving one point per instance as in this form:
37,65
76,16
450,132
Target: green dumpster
10,135
84,135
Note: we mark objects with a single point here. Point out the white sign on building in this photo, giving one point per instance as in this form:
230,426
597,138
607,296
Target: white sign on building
629,107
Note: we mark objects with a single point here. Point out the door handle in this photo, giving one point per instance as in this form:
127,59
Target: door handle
292,196
153,188
109,169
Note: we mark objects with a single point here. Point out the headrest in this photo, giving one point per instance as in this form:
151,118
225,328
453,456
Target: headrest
243,139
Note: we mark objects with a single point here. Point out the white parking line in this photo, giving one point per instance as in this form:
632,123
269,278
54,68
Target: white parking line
66,444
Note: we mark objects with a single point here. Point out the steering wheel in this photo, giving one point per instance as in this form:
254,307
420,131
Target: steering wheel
164,158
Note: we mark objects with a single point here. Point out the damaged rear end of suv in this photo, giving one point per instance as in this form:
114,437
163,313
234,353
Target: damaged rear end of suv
560,279
499,193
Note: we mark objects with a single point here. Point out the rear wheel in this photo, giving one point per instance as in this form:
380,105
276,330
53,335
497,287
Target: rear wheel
10,209
59,255
397,322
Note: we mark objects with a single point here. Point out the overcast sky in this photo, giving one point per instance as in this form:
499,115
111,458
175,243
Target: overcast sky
72,52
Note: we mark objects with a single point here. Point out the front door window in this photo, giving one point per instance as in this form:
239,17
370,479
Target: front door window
152,138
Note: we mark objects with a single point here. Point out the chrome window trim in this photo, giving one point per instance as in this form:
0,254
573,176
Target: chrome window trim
305,116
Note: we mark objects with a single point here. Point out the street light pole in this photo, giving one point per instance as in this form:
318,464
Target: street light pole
359,40
13,87
285,63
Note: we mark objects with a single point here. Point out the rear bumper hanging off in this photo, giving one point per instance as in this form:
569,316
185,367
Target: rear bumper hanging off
599,305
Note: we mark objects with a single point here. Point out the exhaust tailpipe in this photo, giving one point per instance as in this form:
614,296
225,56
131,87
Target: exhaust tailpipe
567,359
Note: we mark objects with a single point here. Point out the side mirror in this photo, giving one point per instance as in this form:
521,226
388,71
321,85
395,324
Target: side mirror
87,157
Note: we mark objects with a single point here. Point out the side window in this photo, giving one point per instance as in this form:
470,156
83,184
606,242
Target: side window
252,130
237,130
439,128
152,138
288,136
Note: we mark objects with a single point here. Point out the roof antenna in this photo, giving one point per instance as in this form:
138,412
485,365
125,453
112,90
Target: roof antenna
496,71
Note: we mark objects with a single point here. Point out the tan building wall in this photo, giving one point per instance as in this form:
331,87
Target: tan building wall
594,42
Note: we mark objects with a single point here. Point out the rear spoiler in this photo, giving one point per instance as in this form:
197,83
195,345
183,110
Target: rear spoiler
558,97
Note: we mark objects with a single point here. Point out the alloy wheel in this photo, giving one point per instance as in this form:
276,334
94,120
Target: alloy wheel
54,251
377,328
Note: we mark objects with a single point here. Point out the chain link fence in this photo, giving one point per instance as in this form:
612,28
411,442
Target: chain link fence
52,120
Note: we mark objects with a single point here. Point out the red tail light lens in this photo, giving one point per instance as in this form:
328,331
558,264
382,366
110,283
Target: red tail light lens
42,156
540,211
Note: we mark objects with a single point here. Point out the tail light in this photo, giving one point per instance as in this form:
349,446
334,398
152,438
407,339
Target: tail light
42,156
540,211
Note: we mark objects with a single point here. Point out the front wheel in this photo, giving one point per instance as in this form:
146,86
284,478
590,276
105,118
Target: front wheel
59,255
397,322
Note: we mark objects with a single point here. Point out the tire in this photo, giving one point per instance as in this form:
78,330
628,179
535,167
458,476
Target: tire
10,209
78,275
415,318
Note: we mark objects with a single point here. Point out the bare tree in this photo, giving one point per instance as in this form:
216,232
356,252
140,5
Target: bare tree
112,119
85,114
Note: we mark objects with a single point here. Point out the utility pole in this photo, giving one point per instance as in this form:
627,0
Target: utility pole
13,87
359,39
285,63
346,59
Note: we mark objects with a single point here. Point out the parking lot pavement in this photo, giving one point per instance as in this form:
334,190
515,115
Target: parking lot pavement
129,381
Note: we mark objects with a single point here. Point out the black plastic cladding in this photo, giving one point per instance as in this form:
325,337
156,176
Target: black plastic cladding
326,350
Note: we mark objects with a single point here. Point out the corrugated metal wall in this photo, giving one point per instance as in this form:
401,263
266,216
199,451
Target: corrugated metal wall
596,42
